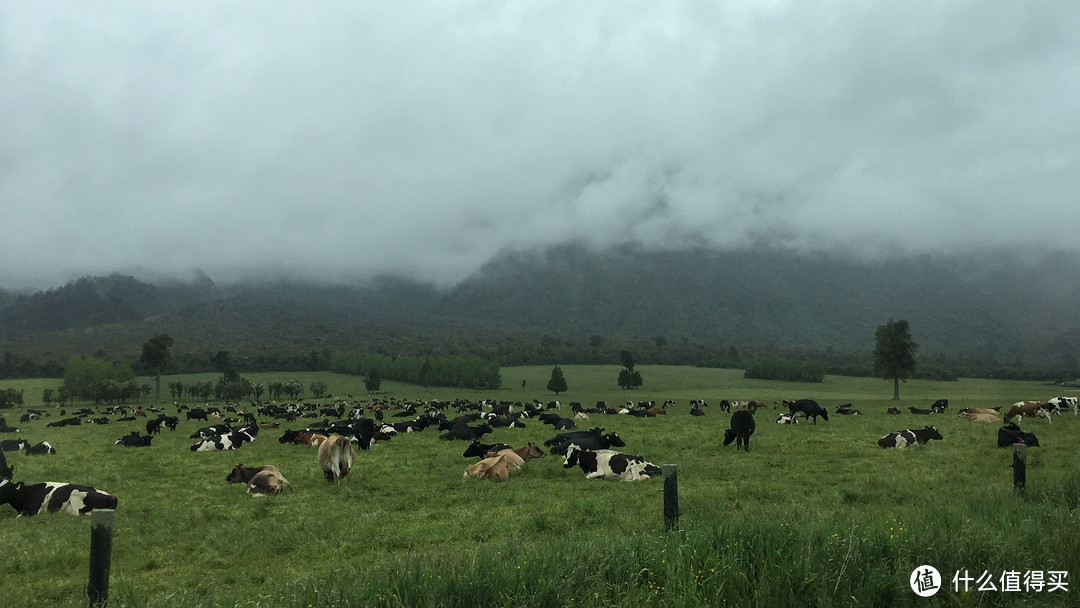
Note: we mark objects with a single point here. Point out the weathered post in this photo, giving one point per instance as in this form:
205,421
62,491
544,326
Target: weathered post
1019,466
671,497
101,525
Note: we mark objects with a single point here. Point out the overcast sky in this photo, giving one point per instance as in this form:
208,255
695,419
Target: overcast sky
336,141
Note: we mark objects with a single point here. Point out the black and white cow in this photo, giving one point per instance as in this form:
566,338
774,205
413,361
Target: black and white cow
228,441
939,406
908,437
40,449
742,427
786,419
210,431
609,464
53,497
4,428
808,408
13,445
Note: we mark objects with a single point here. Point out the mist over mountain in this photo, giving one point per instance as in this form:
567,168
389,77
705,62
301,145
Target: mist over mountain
999,306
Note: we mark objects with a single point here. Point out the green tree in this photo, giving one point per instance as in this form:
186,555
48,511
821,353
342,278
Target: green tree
557,383
155,356
373,381
318,389
223,362
894,353
47,396
628,378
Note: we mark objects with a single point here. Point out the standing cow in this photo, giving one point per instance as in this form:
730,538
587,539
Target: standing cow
808,408
336,458
742,427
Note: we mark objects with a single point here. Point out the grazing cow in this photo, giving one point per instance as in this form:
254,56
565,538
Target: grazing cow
6,472
480,449
260,481
755,405
808,408
1029,409
40,449
53,497
493,468
1011,434
908,437
13,445
196,414
940,406
608,464
725,405
786,419
336,458
1065,403
135,440
228,441
742,427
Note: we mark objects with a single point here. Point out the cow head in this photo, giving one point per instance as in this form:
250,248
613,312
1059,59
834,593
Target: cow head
729,436
932,433
571,457
615,440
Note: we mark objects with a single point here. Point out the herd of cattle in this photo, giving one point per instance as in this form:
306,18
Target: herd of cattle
590,450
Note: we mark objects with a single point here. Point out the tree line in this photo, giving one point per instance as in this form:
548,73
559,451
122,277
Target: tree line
455,371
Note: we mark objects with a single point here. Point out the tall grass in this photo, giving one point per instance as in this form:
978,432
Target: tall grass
813,515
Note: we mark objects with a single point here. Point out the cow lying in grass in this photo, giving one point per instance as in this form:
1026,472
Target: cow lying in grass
909,438
609,464
492,468
53,497
260,481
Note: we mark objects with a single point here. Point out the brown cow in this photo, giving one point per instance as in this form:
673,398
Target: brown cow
260,480
1029,409
516,458
990,416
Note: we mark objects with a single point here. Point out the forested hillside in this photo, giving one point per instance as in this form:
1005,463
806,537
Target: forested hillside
576,306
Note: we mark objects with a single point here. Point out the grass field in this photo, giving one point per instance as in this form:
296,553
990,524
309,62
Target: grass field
813,515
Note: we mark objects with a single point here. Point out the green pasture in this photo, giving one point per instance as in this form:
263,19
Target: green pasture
813,515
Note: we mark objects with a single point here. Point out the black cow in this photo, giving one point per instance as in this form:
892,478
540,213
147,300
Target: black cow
908,437
922,412
6,472
52,497
4,428
845,409
808,408
66,422
1011,433
587,440
893,410
466,432
40,449
135,440
196,414
742,427
477,449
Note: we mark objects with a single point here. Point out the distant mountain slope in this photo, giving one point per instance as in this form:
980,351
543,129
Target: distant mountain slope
991,305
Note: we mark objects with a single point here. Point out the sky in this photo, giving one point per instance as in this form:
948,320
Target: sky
341,141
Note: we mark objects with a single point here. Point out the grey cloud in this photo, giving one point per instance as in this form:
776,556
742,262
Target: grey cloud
339,142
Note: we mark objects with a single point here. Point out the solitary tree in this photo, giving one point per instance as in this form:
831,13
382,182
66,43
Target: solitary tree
894,353
557,383
155,356
373,381
628,378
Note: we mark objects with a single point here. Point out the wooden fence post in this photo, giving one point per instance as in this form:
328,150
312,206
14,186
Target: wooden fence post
101,525
1019,466
671,497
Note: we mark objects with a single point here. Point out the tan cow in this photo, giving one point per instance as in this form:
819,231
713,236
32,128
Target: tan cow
495,468
516,458
336,458
973,416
